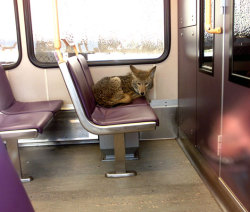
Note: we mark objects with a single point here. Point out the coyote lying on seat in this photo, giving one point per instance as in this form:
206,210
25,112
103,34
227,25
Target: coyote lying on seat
110,91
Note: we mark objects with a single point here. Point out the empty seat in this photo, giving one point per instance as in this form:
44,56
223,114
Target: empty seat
8,104
25,121
31,107
19,120
21,126
13,195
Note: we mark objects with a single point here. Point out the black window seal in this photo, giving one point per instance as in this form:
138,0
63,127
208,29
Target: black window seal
19,44
34,61
202,59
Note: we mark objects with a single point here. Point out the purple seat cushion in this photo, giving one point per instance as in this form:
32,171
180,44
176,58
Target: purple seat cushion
84,91
86,70
13,195
25,121
124,114
140,101
31,107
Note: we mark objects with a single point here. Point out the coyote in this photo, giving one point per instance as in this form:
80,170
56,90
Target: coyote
110,91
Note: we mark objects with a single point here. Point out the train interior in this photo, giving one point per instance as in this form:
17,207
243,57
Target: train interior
184,147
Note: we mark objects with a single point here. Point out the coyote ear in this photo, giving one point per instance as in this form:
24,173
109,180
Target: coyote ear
152,71
133,69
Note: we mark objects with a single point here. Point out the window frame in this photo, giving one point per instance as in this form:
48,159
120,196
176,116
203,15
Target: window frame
235,78
18,36
202,59
32,57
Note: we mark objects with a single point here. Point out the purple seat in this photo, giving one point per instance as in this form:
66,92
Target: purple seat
33,107
8,104
13,195
135,117
25,121
21,119
131,113
18,126
136,112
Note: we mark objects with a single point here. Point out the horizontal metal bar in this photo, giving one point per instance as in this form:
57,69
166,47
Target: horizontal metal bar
18,134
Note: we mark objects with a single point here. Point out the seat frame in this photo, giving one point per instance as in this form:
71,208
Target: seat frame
11,134
118,130
11,139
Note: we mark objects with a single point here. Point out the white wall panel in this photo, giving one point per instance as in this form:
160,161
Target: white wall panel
30,83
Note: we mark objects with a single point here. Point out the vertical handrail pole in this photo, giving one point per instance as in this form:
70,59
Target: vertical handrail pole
208,18
57,41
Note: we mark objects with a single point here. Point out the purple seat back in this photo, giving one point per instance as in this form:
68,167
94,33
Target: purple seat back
6,96
86,70
84,91
12,193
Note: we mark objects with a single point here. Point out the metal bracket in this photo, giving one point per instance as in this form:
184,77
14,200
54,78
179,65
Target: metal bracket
223,6
219,145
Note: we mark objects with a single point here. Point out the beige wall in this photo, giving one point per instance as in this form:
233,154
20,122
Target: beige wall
30,83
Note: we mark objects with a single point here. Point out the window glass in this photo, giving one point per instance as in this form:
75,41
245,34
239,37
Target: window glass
240,60
107,30
9,50
207,42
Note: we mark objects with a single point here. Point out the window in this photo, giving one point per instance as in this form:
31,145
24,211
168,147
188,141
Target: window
206,42
10,45
107,32
240,40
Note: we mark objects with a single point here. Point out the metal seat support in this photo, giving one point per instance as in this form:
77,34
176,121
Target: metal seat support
120,161
11,139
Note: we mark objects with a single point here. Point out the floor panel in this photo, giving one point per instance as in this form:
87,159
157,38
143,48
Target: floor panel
71,178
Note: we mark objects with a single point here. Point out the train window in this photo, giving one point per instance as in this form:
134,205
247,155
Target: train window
10,45
206,43
108,32
240,56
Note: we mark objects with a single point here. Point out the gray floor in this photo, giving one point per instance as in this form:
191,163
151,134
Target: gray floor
71,179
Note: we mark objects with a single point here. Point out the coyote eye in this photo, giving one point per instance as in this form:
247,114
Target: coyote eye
146,83
138,83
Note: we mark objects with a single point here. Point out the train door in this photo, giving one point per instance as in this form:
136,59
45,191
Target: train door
209,76
235,146
223,95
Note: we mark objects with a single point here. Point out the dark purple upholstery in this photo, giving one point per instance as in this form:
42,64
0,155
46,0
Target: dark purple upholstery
8,104
13,197
84,91
140,101
138,111
6,95
31,107
25,121
124,114
86,70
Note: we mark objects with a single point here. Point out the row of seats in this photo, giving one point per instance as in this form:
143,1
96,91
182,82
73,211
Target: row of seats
20,120
26,119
